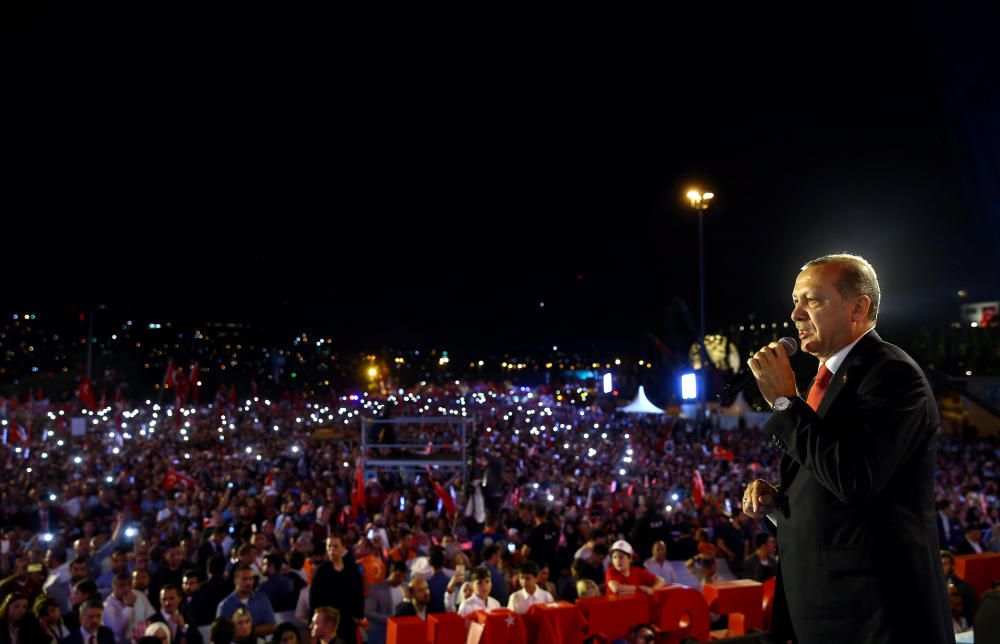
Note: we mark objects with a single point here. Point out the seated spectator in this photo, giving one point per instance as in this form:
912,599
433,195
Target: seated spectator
762,564
530,593
972,543
418,604
964,588
544,581
704,569
622,578
658,564
481,583
587,588
959,622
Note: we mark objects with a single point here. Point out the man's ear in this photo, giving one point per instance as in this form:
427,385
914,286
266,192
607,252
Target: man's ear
862,306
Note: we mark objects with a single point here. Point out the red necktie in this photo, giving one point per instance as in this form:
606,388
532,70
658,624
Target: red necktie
819,387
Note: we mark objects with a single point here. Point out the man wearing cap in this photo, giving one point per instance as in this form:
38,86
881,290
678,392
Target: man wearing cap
621,578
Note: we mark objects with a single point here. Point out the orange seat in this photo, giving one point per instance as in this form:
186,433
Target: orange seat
742,596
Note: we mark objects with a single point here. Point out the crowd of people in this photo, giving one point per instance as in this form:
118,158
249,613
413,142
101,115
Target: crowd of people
246,521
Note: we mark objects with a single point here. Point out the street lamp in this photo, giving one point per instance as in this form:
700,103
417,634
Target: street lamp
699,201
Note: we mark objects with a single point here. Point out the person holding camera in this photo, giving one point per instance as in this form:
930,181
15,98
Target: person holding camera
704,569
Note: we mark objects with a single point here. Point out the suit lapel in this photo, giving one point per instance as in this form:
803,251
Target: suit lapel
858,354
856,357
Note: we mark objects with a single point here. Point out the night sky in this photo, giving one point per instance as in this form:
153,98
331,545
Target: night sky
432,178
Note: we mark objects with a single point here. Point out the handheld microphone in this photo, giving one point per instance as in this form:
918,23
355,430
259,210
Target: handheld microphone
745,378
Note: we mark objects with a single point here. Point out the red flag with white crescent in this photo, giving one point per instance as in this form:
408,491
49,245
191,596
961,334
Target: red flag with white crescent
697,489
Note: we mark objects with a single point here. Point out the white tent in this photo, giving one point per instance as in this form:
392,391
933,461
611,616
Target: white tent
641,405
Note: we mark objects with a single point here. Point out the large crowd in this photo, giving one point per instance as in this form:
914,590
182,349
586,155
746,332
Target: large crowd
247,520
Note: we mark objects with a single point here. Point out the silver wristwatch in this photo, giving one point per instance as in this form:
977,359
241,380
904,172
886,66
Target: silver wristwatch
781,403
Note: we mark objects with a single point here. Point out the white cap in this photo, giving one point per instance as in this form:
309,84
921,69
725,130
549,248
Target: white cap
622,545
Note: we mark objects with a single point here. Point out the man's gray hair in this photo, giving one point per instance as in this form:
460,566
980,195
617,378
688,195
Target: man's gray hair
857,277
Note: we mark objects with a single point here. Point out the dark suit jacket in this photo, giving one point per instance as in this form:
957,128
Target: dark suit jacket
859,549
963,547
955,532
104,636
406,609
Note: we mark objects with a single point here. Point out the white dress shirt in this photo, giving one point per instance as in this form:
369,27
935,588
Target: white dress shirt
521,601
663,570
472,604
121,619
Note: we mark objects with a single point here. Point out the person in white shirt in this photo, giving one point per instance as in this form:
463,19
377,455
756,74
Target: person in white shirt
125,608
530,592
658,564
482,584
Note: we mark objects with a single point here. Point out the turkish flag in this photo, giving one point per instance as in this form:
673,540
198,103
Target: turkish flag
446,501
697,489
173,478
722,454
87,394
358,493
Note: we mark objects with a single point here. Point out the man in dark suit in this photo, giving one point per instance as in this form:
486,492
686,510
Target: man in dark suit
971,543
855,508
181,632
211,547
419,603
760,565
965,589
949,527
90,630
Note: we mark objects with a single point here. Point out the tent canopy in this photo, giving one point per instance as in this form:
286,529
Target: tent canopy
641,405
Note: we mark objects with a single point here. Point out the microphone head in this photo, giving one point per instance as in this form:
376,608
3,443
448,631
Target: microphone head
791,346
